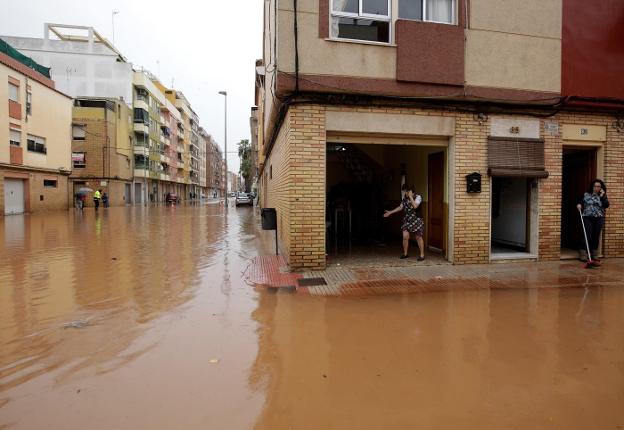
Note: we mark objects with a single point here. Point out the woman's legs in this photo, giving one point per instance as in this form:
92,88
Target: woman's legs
594,236
421,245
405,241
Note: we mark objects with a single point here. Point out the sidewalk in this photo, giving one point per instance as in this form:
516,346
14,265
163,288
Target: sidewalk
271,271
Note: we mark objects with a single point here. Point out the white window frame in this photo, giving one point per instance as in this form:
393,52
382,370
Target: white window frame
19,134
78,164
79,127
424,13
361,15
37,140
16,99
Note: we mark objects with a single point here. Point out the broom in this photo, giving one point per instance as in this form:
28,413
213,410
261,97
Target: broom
591,263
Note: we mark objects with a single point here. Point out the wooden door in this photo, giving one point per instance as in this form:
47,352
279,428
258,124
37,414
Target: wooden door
579,169
435,204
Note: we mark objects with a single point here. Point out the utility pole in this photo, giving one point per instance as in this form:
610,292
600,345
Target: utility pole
224,93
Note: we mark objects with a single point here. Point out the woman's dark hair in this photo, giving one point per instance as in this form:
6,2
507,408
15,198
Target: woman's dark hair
591,186
408,187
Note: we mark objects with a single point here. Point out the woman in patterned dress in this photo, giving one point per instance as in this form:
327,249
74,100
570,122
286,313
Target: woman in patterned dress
593,206
413,222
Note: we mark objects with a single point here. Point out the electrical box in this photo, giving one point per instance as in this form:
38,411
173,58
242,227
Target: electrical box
473,183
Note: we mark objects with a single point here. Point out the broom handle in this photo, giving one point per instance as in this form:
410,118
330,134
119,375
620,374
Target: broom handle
585,234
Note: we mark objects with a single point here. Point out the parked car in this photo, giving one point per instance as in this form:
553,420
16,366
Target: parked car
243,199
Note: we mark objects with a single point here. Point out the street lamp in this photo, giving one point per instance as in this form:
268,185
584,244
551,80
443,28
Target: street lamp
224,93
113,13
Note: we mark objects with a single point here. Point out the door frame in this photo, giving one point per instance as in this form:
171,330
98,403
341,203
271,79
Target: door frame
600,165
25,178
444,238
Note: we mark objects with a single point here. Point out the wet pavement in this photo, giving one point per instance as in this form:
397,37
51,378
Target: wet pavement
144,318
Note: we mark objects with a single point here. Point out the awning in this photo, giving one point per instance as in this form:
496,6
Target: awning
516,157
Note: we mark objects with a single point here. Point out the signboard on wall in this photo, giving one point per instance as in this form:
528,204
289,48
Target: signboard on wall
595,133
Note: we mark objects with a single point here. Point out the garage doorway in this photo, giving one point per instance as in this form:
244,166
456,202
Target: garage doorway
14,197
514,218
363,180
579,168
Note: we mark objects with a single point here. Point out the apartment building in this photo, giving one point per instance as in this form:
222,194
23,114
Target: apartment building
35,153
164,128
500,113
215,183
102,148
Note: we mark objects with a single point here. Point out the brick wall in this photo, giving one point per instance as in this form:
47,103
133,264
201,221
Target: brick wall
307,186
472,211
37,197
277,176
550,197
613,233
103,160
297,188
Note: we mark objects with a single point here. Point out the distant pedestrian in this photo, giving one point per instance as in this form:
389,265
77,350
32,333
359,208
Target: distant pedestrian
413,222
80,201
593,207
105,199
97,196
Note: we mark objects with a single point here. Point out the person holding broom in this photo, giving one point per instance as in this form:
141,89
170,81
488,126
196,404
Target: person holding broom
592,207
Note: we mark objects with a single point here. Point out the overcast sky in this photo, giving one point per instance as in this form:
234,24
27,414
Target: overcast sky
203,45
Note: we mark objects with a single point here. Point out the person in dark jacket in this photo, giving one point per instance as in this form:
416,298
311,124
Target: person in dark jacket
593,206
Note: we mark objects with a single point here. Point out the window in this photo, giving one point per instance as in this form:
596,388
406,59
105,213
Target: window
361,20
79,160
13,92
36,144
141,94
79,132
28,103
15,138
141,115
442,11
49,183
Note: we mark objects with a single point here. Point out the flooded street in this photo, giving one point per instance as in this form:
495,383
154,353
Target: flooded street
141,318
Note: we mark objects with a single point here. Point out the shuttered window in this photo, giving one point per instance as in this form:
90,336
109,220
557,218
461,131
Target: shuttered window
516,157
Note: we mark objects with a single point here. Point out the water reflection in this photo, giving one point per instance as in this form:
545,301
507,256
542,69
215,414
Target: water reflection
133,264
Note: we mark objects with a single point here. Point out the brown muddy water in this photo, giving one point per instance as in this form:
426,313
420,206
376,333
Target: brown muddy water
139,318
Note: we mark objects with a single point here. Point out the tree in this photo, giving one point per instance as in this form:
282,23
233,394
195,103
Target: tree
244,153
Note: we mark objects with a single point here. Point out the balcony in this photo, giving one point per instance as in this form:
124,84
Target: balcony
140,149
141,128
141,104
140,173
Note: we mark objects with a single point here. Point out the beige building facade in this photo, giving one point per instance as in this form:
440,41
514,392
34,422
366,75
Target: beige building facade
35,154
